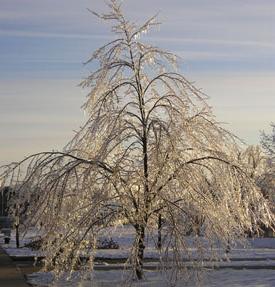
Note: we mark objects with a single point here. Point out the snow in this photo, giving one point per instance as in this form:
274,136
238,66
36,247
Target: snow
250,266
216,278
258,248
30,235
22,252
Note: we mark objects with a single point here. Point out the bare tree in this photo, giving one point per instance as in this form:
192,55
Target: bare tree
150,146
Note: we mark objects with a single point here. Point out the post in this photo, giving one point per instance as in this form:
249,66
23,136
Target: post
17,222
159,244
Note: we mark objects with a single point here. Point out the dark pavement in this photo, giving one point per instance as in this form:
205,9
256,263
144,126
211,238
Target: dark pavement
10,275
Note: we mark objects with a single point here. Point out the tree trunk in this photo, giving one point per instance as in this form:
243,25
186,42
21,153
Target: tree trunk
159,244
140,230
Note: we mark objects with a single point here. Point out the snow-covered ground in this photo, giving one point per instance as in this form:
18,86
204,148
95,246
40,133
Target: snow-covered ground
253,265
11,249
216,278
258,248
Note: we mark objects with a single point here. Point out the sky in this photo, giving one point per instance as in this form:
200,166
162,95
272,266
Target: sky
227,48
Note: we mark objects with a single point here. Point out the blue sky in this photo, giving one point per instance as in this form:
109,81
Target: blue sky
227,48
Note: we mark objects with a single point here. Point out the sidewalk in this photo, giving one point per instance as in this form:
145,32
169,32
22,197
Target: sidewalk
10,276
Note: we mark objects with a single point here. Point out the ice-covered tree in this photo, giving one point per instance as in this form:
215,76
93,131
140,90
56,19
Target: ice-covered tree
268,181
254,161
150,146
268,143
257,165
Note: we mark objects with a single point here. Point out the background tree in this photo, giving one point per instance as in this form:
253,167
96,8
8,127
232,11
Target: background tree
268,143
150,145
267,182
258,166
254,162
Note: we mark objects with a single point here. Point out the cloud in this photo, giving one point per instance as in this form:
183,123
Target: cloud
37,34
214,19
213,41
228,46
